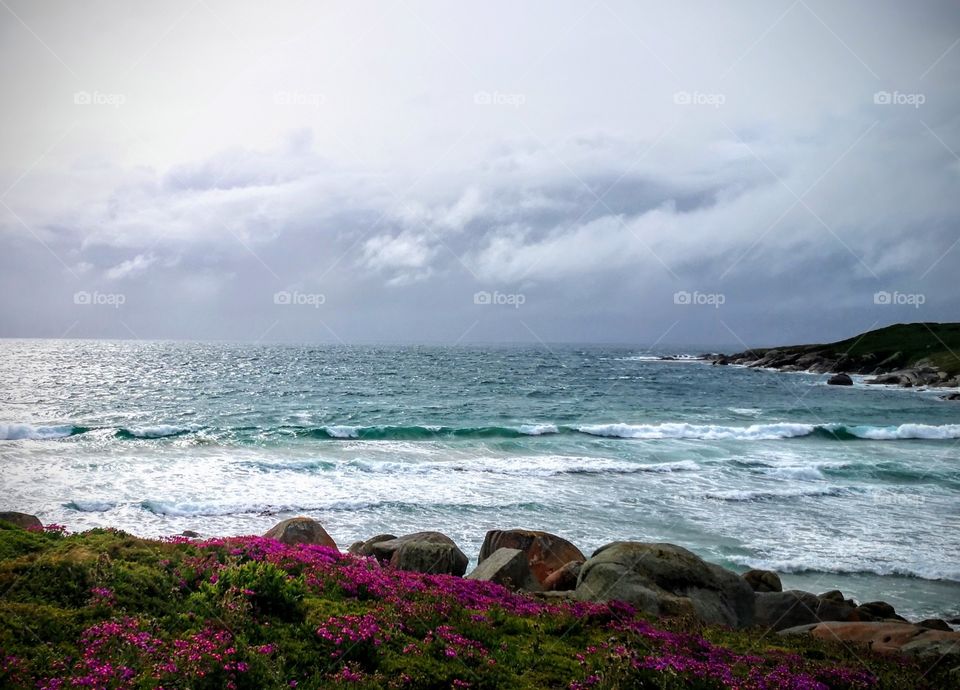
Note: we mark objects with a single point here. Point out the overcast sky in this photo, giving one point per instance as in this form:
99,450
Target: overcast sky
735,173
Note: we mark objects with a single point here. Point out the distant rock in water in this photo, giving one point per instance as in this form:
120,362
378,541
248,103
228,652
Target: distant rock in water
840,380
666,580
545,552
23,520
301,530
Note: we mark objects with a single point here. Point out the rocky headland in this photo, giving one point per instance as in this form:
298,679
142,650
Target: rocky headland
911,355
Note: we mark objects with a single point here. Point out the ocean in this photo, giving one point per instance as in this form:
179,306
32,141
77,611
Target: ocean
851,488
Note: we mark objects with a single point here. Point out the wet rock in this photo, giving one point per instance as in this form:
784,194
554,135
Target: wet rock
507,567
189,533
840,380
935,624
301,530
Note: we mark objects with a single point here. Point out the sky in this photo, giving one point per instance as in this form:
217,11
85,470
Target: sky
745,173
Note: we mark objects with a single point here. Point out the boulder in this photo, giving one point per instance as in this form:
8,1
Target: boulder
835,609
666,580
763,581
545,552
887,638
840,380
875,611
832,595
564,579
385,550
507,567
189,533
950,396
22,520
935,624
301,530
781,610
365,548
434,558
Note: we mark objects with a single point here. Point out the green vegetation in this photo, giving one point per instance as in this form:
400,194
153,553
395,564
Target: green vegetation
103,609
898,346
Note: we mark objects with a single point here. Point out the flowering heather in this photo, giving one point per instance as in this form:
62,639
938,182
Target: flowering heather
104,610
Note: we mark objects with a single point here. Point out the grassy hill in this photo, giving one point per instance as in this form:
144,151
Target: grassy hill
895,347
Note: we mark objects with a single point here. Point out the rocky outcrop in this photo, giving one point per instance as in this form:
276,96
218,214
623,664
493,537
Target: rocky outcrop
365,548
666,580
507,567
840,380
564,579
763,581
887,638
545,552
909,355
301,530
23,520
449,559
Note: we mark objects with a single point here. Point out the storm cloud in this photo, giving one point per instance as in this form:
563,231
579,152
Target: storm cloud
423,172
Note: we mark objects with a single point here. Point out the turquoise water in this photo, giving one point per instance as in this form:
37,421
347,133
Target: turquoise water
851,488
